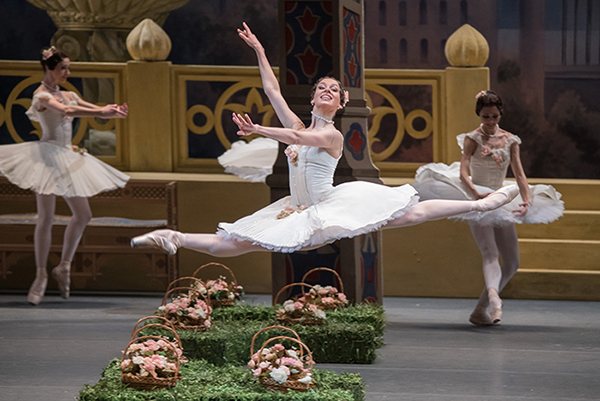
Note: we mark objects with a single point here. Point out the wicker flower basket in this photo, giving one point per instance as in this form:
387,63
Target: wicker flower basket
270,384
182,322
338,304
192,282
289,320
149,382
216,303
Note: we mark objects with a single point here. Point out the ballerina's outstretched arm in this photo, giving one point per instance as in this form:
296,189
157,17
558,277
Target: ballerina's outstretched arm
108,111
270,84
327,138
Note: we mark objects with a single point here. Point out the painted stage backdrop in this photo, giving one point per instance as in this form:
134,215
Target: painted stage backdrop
544,60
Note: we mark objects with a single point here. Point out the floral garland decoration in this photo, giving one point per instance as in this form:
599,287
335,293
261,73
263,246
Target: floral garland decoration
289,210
49,52
495,154
292,155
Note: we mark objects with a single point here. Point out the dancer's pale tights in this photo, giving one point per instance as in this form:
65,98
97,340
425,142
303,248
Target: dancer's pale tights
42,240
429,210
493,242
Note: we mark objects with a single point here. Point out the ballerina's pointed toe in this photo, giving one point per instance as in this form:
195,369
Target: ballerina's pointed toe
479,317
62,275
495,306
156,240
37,290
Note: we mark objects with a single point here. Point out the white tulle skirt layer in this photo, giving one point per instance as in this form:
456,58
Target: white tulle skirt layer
350,209
251,161
49,169
440,181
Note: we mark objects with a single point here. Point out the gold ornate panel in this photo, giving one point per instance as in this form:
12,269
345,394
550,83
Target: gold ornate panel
239,91
405,124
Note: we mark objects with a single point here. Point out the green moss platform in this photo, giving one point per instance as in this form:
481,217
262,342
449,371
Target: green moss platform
202,381
350,335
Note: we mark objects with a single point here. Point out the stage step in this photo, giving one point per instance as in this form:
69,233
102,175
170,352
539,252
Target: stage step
575,224
560,255
561,260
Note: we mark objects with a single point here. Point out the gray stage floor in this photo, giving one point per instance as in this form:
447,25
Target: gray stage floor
545,350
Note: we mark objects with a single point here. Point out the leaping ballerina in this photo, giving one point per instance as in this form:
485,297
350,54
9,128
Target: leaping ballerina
316,213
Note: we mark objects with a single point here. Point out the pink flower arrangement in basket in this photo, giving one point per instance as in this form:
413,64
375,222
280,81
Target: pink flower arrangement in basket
187,312
328,297
220,289
300,310
281,364
156,358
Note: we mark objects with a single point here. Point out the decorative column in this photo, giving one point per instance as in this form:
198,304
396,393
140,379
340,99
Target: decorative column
320,38
467,51
148,77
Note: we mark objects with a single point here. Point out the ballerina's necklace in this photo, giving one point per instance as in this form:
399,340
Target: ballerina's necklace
56,89
490,135
321,118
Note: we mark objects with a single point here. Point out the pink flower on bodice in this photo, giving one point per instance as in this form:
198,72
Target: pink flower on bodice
495,155
485,150
292,155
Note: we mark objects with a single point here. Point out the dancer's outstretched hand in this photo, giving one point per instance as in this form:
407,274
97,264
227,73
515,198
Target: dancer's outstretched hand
523,209
249,37
123,109
245,124
114,111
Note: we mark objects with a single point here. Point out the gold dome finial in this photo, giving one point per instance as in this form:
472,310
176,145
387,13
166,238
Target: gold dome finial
148,41
466,47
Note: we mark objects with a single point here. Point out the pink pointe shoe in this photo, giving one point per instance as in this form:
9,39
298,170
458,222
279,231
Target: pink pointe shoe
479,317
166,240
62,275
495,306
37,290
496,199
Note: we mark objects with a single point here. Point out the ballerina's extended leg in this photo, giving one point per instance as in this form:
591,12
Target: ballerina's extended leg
437,209
211,244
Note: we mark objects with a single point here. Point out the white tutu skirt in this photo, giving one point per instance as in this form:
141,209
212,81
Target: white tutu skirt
348,210
49,169
251,161
440,181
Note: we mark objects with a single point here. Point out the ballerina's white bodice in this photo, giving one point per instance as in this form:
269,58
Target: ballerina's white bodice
489,170
56,128
311,178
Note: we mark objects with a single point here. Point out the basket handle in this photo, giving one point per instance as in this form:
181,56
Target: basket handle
162,326
154,338
329,270
164,300
286,287
302,345
167,321
192,279
268,328
217,264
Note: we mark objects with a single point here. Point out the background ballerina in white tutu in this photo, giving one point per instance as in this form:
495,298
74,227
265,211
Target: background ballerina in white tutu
316,212
53,167
487,152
